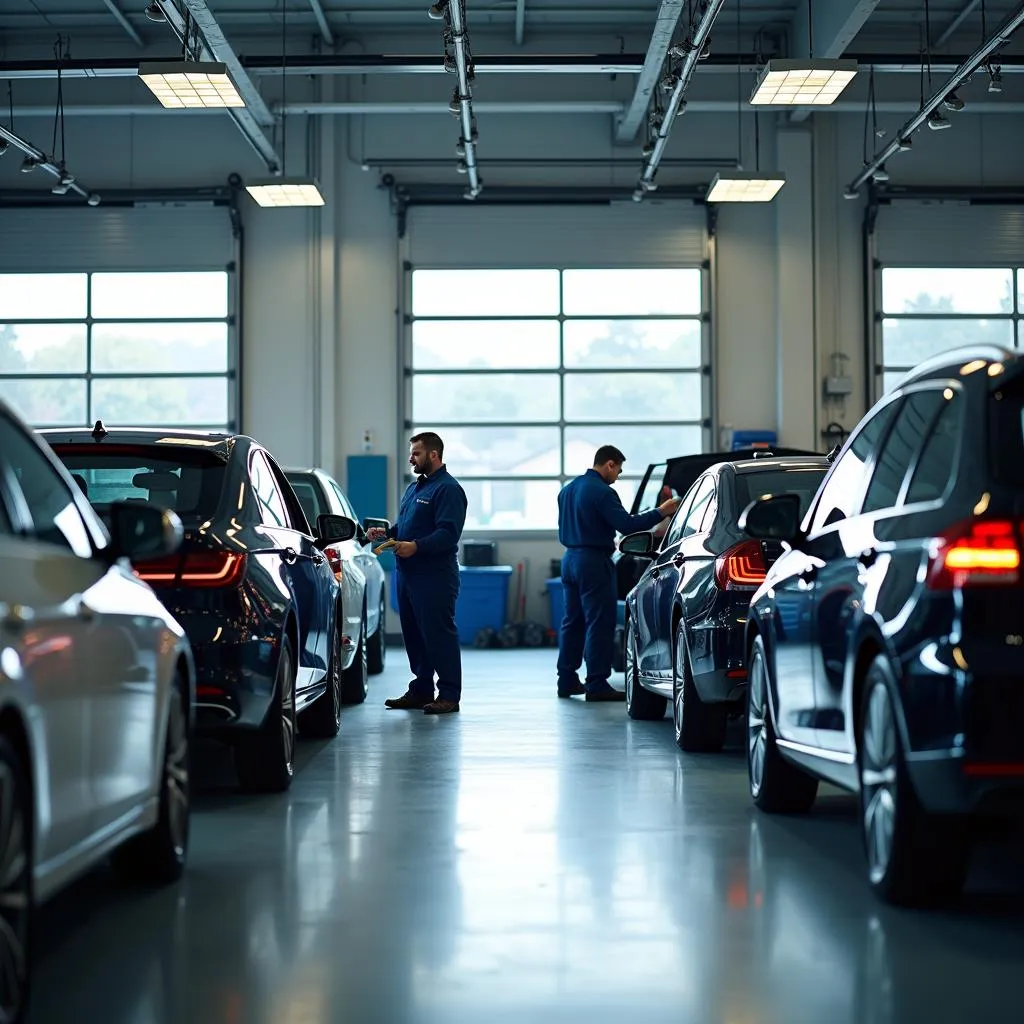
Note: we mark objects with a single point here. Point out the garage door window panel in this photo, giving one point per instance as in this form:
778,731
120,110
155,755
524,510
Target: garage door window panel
479,398
48,402
632,344
31,349
160,347
152,296
626,398
44,296
485,344
161,401
632,292
475,293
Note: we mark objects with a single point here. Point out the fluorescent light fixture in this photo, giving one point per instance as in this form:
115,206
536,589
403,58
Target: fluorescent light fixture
187,84
794,83
278,192
737,187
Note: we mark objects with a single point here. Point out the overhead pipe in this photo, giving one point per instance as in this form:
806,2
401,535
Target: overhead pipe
710,11
961,75
453,14
44,163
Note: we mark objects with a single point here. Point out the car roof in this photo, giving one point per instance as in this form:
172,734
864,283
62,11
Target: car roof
939,365
767,464
215,442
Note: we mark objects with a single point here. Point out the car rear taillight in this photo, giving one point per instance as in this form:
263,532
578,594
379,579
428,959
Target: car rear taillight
981,553
741,566
196,569
334,561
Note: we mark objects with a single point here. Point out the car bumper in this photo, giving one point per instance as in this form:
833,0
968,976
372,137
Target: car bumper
949,784
717,656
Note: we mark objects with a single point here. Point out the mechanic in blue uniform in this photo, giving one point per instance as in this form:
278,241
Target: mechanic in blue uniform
590,513
430,522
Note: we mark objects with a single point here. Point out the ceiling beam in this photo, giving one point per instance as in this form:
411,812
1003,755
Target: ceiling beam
955,24
321,20
118,15
650,75
520,21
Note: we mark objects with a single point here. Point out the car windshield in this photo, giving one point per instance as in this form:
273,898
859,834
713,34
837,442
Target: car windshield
308,493
802,481
189,482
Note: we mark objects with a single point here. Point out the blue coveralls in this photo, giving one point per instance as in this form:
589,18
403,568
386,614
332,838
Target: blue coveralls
590,513
432,513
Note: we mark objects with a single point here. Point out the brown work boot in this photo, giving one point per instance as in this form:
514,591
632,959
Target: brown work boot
440,707
408,702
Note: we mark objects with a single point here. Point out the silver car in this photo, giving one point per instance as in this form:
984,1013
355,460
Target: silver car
96,696
364,585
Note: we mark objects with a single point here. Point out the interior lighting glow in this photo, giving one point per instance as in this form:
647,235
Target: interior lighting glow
792,83
736,187
281,192
190,84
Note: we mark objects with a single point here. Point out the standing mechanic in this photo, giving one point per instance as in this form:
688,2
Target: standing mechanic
426,536
590,513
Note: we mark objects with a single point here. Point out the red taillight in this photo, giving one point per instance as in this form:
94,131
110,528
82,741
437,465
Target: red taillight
334,561
741,566
196,569
981,553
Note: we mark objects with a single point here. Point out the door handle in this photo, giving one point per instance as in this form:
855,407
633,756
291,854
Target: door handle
15,617
655,573
289,556
678,560
868,558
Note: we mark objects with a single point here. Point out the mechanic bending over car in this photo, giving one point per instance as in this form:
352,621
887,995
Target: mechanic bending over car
590,513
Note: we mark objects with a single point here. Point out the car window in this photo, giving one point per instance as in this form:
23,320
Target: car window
934,468
346,505
900,447
703,497
675,531
803,482
293,508
55,519
268,493
308,494
842,492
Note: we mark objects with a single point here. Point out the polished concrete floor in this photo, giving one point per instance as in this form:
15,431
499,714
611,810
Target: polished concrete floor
528,860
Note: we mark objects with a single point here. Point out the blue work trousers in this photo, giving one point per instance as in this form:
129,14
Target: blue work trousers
426,608
588,628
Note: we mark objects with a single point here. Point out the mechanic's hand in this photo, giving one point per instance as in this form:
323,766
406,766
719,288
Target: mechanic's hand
405,548
668,508
376,533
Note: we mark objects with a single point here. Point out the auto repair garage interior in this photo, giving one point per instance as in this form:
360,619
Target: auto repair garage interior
536,227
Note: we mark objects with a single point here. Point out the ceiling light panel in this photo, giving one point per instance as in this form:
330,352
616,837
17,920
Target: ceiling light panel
815,83
193,84
745,188
281,192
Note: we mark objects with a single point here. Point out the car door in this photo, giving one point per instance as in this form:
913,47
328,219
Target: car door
851,551
46,569
360,564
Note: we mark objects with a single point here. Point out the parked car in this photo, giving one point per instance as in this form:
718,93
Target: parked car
96,695
885,647
685,618
363,584
251,584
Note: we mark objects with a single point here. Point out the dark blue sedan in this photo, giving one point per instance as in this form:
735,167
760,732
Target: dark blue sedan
250,585
685,618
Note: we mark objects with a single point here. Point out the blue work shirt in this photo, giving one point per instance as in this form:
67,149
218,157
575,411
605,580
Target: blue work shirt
590,513
432,513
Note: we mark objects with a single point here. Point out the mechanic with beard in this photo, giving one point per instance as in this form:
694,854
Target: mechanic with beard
426,544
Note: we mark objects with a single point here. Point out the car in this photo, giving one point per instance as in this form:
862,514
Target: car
96,695
363,584
684,624
251,584
885,648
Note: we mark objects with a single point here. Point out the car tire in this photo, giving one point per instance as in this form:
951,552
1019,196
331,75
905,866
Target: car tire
323,719
914,858
354,680
776,786
265,760
16,895
641,704
699,727
376,649
157,857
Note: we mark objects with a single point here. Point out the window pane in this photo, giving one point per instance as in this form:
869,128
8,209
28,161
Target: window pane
641,445
164,401
485,293
909,342
485,398
956,290
595,344
490,345
936,465
487,451
623,397
47,403
512,504
42,348
626,489
160,348
156,295
631,292
43,296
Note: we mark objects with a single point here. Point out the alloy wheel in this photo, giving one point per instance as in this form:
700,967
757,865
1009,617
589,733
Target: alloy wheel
288,710
878,780
630,660
678,698
336,676
176,775
14,897
757,723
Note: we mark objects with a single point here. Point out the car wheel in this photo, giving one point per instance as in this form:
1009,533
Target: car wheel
16,903
699,727
641,704
775,785
158,856
376,653
354,681
264,760
914,859
323,719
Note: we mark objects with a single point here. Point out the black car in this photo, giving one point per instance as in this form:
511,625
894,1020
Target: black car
250,585
886,646
685,618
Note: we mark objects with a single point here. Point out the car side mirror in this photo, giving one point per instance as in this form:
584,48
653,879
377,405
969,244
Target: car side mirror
638,544
331,529
773,518
376,524
141,531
